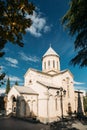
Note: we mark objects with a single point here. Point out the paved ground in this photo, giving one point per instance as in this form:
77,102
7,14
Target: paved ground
71,125
80,125
16,124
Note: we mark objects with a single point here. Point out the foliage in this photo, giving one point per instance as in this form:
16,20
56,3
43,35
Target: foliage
2,75
85,104
13,23
1,103
16,83
75,20
7,86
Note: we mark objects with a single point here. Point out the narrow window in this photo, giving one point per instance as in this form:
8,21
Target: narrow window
67,80
56,104
53,64
48,63
57,64
44,65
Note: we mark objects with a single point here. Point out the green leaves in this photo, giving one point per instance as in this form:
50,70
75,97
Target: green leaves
85,103
8,86
80,58
75,20
2,75
13,21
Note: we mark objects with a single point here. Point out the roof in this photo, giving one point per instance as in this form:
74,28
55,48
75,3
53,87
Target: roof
37,71
48,85
25,90
49,52
44,73
64,71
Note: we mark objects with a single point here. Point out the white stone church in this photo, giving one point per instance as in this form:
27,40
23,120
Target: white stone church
47,94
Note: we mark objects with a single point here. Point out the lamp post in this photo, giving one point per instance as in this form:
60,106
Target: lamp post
61,93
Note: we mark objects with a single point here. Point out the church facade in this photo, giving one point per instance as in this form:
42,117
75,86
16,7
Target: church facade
47,94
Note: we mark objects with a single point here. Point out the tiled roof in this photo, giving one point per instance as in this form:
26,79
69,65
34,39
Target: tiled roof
50,51
25,90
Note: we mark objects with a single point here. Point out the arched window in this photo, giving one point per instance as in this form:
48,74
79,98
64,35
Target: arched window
14,99
49,63
44,65
67,80
14,103
53,64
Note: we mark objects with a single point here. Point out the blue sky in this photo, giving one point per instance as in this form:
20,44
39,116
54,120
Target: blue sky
45,30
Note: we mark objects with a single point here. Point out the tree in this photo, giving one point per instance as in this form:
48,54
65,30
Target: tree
75,20
2,75
85,103
13,23
16,83
7,86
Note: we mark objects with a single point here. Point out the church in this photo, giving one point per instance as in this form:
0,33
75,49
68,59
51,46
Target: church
47,95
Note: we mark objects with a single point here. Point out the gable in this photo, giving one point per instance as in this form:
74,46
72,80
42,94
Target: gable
34,71
68,73
29,71
52,72
12,92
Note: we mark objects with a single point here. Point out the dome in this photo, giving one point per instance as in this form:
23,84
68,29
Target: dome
50,62
49,52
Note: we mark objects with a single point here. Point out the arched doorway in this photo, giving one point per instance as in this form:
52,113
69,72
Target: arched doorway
14,103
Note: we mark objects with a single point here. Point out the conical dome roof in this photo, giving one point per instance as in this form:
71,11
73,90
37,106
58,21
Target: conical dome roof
51,62
49,52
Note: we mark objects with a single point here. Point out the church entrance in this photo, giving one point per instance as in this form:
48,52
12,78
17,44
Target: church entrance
14,103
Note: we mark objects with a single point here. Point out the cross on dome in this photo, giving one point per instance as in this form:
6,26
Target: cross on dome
50,44
50,51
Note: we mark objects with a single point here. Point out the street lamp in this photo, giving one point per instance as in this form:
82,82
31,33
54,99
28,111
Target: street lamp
61,93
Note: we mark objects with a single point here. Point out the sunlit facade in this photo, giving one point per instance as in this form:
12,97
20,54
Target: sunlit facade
39,96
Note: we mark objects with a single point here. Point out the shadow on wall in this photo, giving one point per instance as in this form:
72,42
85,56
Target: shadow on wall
23,108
